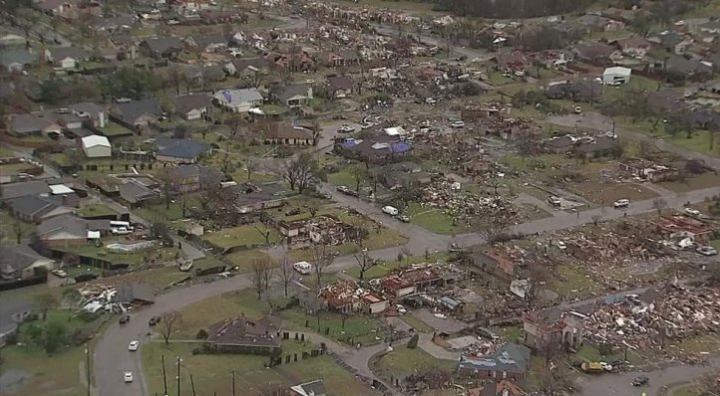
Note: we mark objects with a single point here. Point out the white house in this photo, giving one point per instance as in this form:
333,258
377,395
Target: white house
96,146
616,75
238,100
66,57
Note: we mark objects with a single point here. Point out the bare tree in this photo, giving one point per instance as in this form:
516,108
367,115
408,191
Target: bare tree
359,175
659,204
271,389
46,302
251,166
365,262
169,185
170,323
262,273
299,172
285,273
322,257
494,232
18,231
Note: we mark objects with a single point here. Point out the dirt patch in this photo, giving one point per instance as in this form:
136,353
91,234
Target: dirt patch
607,193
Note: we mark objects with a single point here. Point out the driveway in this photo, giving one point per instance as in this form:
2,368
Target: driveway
619,384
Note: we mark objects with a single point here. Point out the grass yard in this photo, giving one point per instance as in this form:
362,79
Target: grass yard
521,163
244,258
171,213
706,180
403,361
344,178
689,390
604,194
383,269
8,225
12,169
112,129
417,324
574,282
95,210
246,235
510,333
434,220
135,258
213,373
358,328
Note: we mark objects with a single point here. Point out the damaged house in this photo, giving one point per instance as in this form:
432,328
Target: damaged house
321,228
245,336
509,361
578,90
346,296
553,327
409,282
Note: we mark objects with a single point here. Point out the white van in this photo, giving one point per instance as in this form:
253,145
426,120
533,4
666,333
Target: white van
303,267
392,211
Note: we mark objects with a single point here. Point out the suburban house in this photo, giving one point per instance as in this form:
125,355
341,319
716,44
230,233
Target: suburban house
312,388
347,297
578,90
67,58
187,178
207,42
192,107
22,262
502,388
13,312
184,151
35,208
284,133
65,231
16,60
137,115
597,54
161,48
247,67
509,361
96,146
635,47
22,125
599,23
616,75
672,41
95,114
53,189
251,197
553,326
294,95
238,100
595,146
410,282
244,335
688,67
339,86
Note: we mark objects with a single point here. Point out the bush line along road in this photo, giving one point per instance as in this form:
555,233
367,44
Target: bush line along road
111,357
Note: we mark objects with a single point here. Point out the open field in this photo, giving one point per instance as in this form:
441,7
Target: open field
246,235
213,373
403,361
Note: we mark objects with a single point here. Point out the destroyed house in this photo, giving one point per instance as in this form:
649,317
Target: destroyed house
321,228
243,335
410,282
510,361
346,296
679,226
379,149
649,171
493,262
554,326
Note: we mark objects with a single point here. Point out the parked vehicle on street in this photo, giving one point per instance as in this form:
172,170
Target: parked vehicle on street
154,320
303,267
133,346
404,218
128,376
124,319
621,203
390,210
640,380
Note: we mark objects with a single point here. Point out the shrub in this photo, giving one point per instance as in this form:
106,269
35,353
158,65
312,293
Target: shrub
413,343
202,334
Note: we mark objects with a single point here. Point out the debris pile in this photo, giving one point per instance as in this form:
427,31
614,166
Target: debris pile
676,314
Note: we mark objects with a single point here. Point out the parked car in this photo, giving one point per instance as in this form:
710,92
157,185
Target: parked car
621,203
458,124
392,211
404,218
693,212
343,189
706,250
640,380
554,201
133,345
60,273
401,310
346,128
352,193
154,320
124,319
128,376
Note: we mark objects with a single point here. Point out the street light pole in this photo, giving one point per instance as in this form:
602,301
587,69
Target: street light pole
165,391
178,376
87,369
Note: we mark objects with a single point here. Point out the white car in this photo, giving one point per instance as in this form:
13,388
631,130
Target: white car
707,251
345,128
621,203
392,211
458,124
134,344
561,245
555,201
303,267
692,211
128,376
401,310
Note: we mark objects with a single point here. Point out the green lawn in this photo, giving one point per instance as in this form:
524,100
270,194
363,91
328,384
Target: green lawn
7,227
135,258
171,213
246,235
95,210
574,282
689,390
510,333
417,324
244,258
435,220
112,129
699,140
402,362
198,316
344,178
213,373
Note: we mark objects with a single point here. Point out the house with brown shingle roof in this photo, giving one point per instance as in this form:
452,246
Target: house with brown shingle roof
244,335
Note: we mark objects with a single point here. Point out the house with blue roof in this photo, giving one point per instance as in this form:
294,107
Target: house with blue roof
238,100
509,361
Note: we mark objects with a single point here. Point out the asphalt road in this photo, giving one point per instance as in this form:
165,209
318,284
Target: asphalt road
111,357
620,384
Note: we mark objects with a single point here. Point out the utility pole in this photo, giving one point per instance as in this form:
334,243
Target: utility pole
178,375
192,385
165,392
87,369
233,383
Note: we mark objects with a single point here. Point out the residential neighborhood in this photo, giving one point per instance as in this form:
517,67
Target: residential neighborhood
360,198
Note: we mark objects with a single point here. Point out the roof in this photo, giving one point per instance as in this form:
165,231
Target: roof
133,191
599,143
68,224
623,71
509,357
18,258
95,140
249,194
21,56
8,309
238,96
186,103
93,109
502,388
244,331
340,82
24,189
180,148
60,189
289,91
31,206
131,111
134,292
60,53
312,388
163,44
29,123
281,130
204,173
594,51
205,40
